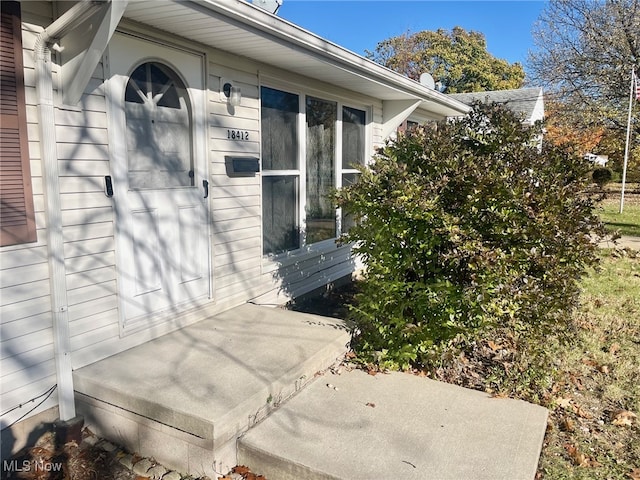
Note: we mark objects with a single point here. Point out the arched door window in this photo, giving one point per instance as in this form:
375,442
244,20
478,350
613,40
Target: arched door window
159,129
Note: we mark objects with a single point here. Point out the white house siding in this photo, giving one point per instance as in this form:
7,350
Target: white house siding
235,200
240,271
88,222
28,367
26,337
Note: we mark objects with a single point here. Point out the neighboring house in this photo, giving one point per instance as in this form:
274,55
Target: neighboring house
169,157
597,160
528,103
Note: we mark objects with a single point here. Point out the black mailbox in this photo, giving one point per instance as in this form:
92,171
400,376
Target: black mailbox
242,165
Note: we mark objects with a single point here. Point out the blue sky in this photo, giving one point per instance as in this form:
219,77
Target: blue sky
359,25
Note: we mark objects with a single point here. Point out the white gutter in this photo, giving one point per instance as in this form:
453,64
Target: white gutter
57,271
239,11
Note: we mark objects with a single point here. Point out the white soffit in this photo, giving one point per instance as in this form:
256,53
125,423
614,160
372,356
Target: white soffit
394,112
245,30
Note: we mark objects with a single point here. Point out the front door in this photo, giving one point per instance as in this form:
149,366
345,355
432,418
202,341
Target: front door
156,96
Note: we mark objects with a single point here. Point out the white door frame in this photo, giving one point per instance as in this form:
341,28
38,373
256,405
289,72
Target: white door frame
132,50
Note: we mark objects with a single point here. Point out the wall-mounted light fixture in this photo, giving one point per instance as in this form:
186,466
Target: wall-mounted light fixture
233,94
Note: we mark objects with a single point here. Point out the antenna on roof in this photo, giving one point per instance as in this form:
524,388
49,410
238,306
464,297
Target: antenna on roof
270,6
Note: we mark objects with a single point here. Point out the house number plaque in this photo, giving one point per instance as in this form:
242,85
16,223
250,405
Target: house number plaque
241,135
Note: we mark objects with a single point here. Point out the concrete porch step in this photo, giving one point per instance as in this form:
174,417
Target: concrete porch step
184,398
355,426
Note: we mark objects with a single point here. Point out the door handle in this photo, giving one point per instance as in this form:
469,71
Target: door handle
205,185
108,186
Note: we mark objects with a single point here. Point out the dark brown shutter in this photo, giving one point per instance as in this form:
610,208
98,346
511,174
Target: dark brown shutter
17,224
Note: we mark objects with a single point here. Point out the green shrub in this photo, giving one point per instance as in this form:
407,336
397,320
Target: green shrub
602,176
466,226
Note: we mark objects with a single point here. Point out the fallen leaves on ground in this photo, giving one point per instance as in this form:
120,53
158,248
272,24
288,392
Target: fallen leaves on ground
568,425
372,369
624,418
634,474
578,458
245,472
564,402
613,349
241,470
44,461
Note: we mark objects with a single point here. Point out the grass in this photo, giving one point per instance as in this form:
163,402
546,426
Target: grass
627,222
593,431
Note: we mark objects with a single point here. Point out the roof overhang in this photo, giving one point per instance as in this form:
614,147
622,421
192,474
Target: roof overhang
243,29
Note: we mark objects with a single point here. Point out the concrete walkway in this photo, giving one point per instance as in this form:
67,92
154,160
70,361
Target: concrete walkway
355,426
185,397
624,241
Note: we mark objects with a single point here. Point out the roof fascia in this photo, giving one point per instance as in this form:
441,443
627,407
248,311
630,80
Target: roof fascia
240,11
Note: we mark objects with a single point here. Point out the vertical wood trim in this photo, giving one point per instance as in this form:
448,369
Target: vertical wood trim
17,222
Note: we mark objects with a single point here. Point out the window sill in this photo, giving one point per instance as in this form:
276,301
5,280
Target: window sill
271,263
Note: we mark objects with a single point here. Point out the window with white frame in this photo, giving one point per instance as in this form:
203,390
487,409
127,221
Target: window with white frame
331,138
353,151
321,119
280,171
